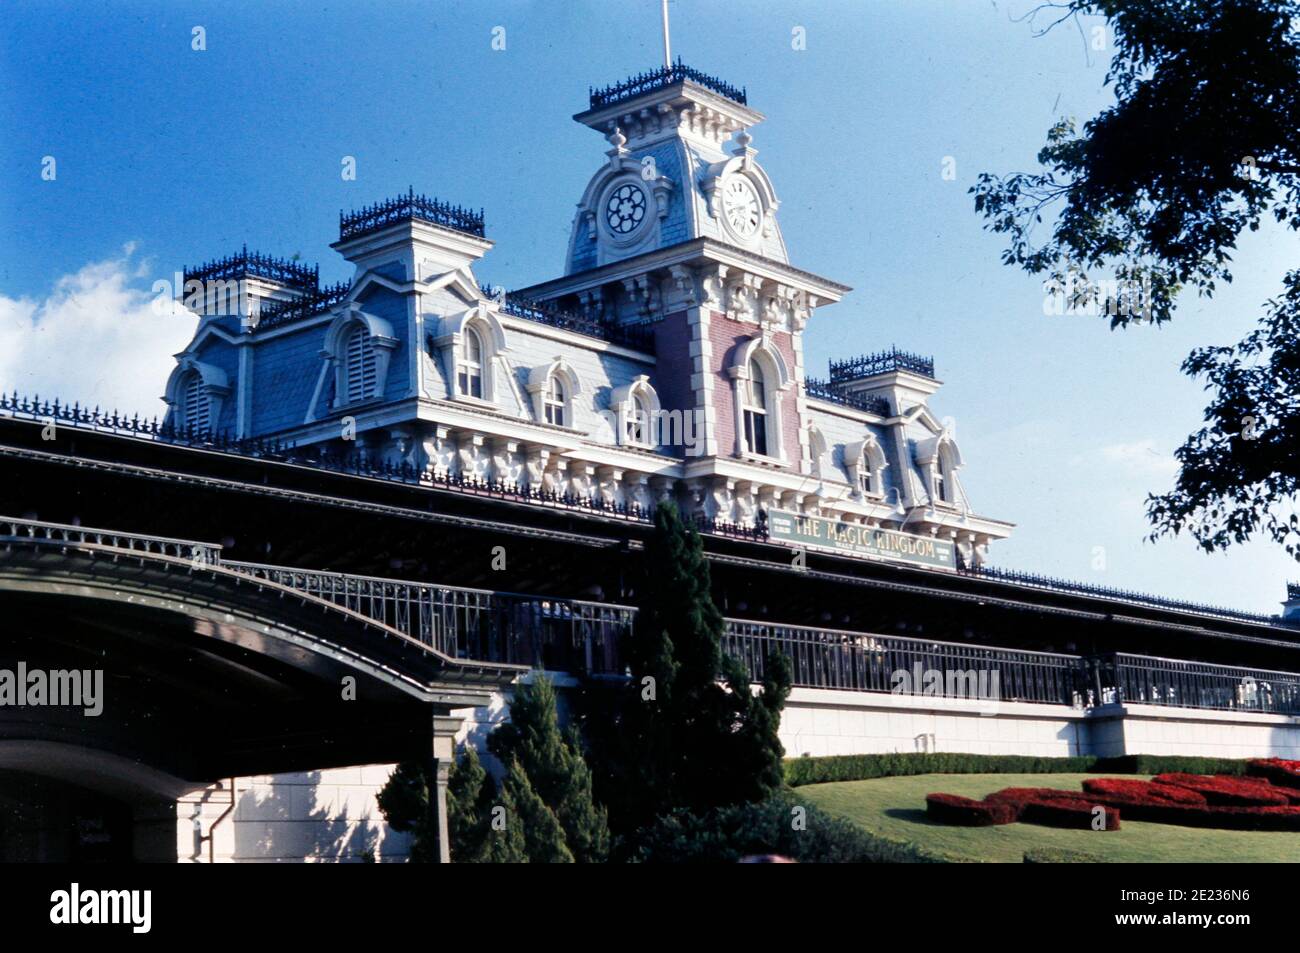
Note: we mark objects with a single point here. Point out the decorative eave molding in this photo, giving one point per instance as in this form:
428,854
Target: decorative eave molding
693,252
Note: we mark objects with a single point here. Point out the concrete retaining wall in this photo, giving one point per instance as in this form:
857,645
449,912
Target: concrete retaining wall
332,815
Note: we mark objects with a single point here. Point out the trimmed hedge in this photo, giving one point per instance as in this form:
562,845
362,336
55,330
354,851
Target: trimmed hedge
1171,763
1132,791
967,812
1277,771
1076,815
1055,807
725,835
1059,855
862,767
1223,818
1051,807
1229,791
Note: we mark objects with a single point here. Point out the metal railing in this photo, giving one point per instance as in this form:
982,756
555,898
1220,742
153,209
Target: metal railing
279,313
1053,584
411,206
280,270
636,336
861,662
659,78
881,363
552,633
835,393
1177,683
576,635
204,554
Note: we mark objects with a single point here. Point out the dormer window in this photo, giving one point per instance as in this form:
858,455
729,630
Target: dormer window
358,351
360,374
470,371
555,401
636,415
943,476
756,411
196,393
638,418
195,406
865,463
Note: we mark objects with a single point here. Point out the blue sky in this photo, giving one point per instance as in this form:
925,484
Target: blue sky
167,157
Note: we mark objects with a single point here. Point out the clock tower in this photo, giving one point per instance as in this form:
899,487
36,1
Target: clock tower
677,231
680,166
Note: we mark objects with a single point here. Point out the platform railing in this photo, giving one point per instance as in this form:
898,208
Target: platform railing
207,554
863,662
542,631
1179,683
574,635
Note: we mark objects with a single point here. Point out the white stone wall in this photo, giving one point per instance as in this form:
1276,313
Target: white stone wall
819,722
1153,729
328,816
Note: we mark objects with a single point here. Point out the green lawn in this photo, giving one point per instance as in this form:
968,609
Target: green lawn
895,808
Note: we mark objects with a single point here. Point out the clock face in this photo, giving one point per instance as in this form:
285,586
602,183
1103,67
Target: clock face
741,207
625,209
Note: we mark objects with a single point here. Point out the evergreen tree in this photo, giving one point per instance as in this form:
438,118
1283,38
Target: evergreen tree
526,812
677,736
469,790
404,802
554,767
471,793
503,840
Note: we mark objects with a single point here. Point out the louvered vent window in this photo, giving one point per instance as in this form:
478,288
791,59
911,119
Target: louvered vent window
360,376
195,413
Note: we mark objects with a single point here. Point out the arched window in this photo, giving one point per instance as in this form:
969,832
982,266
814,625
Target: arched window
195,406
470,372
756,411
638,420
866,479
942,478
359,375
555,399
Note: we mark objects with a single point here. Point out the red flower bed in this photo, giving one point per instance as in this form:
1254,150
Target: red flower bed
1276,770
1076,814
1224,818
1054,807
965,812
1131,791
1184,799
1022,796
1223,790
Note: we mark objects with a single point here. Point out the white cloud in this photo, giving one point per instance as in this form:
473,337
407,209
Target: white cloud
97,338
1142,458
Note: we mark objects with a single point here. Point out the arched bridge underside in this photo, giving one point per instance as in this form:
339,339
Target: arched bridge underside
208,673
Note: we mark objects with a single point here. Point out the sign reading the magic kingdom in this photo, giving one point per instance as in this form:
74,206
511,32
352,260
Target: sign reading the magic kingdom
858,540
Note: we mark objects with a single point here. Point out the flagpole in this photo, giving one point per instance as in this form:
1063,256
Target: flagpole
668,53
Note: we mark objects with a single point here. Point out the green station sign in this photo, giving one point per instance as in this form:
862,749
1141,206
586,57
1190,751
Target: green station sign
855,539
